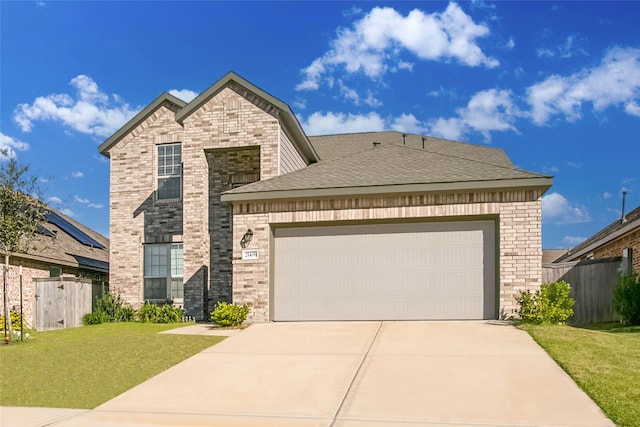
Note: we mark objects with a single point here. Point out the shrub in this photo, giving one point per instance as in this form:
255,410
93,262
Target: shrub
165,313
15,321
225,314
109,308
147,312
550,304
626,299
95,318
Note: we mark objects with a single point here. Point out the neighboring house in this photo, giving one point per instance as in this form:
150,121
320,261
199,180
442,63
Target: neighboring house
550,255
623,233
226,199
63,247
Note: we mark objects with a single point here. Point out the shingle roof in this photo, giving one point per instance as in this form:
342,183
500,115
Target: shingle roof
330,147
390,168
58,247
613,230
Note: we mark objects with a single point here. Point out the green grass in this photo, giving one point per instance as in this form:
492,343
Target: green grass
84,367
604,360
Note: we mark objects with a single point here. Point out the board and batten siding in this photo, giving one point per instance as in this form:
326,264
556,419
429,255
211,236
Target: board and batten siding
290,159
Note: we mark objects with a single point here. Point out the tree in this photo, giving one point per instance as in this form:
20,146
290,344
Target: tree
22,214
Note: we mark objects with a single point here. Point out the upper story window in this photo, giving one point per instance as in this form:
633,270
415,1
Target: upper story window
169,171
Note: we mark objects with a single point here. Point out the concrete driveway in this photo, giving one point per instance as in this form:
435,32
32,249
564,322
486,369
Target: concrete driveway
354,374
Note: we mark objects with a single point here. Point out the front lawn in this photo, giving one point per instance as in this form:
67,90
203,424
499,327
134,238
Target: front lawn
604,360
84,367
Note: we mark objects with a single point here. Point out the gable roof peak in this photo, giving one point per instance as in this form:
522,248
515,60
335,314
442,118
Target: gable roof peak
282,110
165,99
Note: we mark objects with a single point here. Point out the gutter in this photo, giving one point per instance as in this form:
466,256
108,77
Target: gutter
388,189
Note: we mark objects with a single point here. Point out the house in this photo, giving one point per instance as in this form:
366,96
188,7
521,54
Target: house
225,198
611,241
63,247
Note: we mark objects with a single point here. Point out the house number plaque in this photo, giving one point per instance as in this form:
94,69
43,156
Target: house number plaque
250,254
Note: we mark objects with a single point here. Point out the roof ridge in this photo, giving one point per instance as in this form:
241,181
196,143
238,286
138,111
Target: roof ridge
454,156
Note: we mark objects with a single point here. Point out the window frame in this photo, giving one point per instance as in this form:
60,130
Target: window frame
168,268
175,170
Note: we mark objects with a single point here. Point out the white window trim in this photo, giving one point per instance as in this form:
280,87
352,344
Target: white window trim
157,176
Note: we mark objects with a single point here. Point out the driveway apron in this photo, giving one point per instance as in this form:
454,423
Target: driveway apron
353,374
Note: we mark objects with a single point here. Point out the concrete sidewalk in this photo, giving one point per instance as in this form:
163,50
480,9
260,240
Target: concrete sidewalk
352,374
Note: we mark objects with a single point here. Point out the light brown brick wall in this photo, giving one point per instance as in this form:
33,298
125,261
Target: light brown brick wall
228,120
135,216
615,247
519,234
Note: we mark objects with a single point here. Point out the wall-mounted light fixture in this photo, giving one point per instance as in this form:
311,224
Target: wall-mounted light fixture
246,239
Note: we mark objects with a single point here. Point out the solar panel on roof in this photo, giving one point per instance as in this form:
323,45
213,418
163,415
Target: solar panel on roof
73,231
45,232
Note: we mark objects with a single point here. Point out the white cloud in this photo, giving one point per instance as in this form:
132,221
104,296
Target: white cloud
511,43
90,112
77,174
80,200
567,49
95,206
335,123
408,123
550,169
544,53
487,111
556,209
615,81
68,212
54,199
374,44
353,96
452,128
184,94
9,145
574,240
606,195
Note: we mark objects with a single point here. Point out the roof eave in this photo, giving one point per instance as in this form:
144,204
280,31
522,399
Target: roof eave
137,119
289,119
538,182
600,242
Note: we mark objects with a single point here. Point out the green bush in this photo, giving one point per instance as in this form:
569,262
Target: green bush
550,304
109,308
147,312
626,299
95,318
154,313
225,314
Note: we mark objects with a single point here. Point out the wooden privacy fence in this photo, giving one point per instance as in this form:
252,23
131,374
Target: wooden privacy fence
61,302
592,285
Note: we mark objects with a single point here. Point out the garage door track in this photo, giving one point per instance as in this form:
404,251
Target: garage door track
354,374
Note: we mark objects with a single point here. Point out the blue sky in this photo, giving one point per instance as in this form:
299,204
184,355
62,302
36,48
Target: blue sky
554,84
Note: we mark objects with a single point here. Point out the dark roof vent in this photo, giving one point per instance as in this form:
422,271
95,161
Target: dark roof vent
423,139
376,143
404,139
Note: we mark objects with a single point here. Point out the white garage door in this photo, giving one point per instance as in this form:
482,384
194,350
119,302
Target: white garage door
385,272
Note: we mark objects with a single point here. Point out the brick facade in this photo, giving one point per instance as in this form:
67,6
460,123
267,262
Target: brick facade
136,217
232,139
517,213
615,247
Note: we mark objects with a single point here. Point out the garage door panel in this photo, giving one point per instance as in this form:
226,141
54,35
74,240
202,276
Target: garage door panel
385,272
